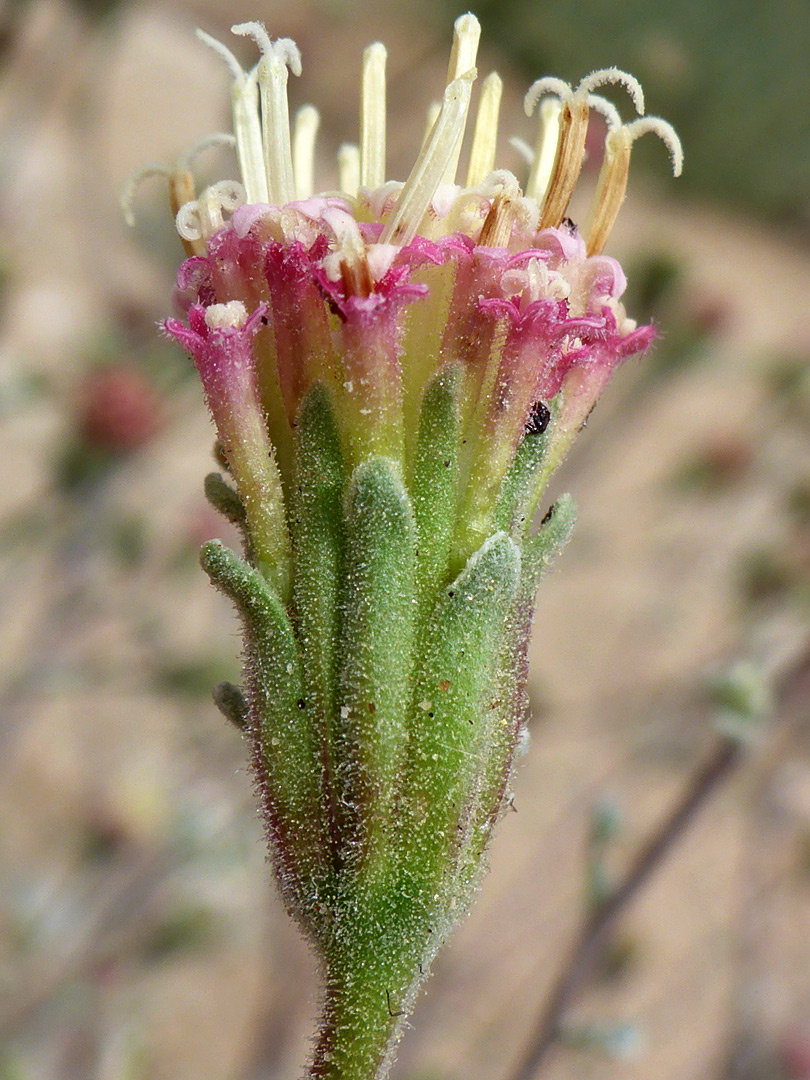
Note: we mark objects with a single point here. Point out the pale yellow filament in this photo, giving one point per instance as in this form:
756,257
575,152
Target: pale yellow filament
485,134
430,166
372,117
612,184
348,159
545,150
466,35
307,121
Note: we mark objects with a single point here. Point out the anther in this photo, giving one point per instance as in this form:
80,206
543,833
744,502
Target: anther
350,253
277,59
497,228
372,117
485,133
611,187
248,127
431,116
610,191
431,164
305,130
356,278
573,127
542,161
466,35
181,186
246,124
348,161
570,150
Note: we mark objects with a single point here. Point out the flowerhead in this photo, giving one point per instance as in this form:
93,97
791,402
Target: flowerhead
374,287
394,368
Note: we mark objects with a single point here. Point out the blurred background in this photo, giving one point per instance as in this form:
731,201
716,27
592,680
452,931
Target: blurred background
138,935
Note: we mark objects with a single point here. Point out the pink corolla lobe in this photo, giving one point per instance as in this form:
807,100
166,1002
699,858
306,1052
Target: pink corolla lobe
333,304
221,339
223,355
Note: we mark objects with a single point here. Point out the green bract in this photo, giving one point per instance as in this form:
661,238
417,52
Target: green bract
384,703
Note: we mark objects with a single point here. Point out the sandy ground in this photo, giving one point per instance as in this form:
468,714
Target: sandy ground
138,934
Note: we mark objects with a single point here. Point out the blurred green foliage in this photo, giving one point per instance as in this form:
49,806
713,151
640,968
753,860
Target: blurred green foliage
732,75
99,10
189,928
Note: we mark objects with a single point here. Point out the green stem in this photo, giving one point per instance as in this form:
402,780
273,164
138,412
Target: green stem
368,996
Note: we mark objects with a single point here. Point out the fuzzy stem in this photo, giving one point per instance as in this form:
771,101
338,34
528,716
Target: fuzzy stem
368,995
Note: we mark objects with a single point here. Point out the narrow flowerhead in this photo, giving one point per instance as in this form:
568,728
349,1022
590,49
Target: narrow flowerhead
375,286
395,367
